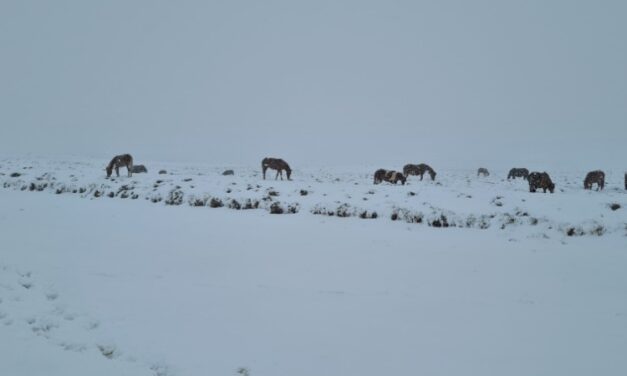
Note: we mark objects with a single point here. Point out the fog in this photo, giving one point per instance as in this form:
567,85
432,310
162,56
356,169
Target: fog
456,84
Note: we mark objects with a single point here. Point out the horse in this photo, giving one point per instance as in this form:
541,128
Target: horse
389,175
276,164
540,180
593,177
518,173
420,169
122,160
482,171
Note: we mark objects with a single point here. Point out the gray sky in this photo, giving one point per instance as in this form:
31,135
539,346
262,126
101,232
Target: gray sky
452,83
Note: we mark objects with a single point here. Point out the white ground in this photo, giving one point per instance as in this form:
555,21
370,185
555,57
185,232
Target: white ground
104,286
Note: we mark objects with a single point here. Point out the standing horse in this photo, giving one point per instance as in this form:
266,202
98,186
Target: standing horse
540,180
388,175
276,164
593,177
123,160
518,173
419,170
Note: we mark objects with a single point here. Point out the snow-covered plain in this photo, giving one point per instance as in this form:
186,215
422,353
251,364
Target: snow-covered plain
454,199
518,284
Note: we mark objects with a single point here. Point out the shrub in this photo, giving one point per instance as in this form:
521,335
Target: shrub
276,208
250,204
216,203
196,201
235,205
175,197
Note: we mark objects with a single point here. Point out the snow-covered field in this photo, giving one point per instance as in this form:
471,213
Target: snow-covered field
454,199
156,281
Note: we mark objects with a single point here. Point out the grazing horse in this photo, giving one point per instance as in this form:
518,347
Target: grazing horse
276,164
389,175
597,177
518,173
420,169
482,171
540,180
123,160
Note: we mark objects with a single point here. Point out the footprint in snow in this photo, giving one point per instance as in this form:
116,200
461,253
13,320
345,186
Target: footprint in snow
52,296
74,347
109,351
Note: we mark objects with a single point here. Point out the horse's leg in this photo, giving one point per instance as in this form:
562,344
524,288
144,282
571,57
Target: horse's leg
264,172
277,175
117,171
421,176
129,167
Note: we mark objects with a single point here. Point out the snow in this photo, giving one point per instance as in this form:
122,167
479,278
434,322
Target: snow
456,198
104,286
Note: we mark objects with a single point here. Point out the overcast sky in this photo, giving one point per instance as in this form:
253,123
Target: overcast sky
452,83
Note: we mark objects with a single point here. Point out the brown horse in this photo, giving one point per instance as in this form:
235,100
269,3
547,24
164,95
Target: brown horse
123,160
418,170
388,175
540,180
593,177
276,164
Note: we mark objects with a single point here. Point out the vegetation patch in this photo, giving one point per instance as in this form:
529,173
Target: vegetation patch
175,197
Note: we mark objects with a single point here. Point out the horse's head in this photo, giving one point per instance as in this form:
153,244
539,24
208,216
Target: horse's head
432,173
109,170
288,172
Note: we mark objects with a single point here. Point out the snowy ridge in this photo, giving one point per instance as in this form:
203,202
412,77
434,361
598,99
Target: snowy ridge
455,199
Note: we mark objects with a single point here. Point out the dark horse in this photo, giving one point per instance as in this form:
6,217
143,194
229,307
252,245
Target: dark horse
420,169
518,173
388,175
482,171
276,164
123,160
540,180
597,177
